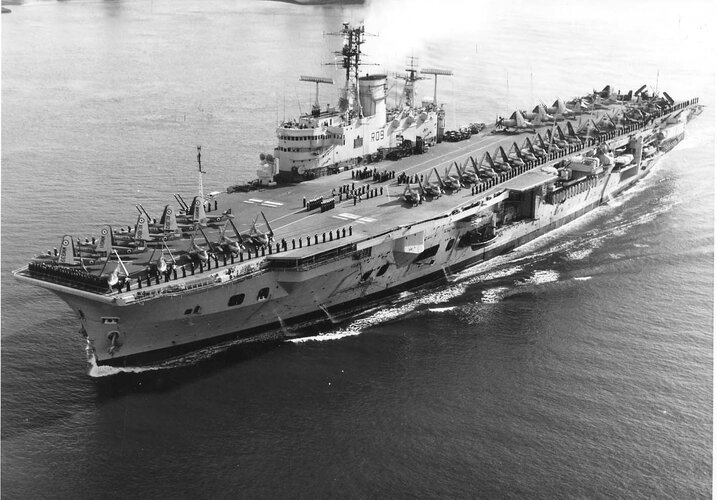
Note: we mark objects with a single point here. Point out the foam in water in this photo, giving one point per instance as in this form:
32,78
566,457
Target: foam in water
441,309
97,371
579,254
539,277
322,337
493,295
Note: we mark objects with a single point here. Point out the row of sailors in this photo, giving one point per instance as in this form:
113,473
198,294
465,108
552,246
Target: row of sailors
376,176
347,191
72,274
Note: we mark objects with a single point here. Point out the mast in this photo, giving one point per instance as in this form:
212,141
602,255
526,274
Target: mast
409,90
351,60
199,162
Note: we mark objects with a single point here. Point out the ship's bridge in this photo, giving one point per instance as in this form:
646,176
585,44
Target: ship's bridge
317,118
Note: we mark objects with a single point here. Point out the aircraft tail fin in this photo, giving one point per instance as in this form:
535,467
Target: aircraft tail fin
104,245
141,231
197,211
542,114
560,106
169,220
67,251
519,120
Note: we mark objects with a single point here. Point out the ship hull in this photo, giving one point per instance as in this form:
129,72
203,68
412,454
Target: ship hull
149,332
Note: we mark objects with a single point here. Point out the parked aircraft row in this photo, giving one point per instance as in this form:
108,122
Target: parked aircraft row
542,115
471,172
149,234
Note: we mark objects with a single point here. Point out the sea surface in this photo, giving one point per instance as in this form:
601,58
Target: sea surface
578,366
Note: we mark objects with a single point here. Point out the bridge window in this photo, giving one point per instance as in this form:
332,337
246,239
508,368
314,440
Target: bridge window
366,275
450,244
383,269
263,294
235,300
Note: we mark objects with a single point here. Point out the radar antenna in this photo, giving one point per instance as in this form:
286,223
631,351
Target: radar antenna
435,72
316,109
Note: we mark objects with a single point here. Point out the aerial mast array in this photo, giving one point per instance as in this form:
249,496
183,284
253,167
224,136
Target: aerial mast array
351,60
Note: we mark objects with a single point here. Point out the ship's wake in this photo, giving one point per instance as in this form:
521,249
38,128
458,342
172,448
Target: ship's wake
518,272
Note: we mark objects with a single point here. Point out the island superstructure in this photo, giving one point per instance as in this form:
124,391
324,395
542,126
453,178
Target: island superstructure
258,264
325,141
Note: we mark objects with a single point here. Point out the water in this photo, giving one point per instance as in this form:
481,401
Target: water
577,366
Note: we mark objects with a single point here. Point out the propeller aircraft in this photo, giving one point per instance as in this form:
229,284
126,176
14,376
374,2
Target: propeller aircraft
515,124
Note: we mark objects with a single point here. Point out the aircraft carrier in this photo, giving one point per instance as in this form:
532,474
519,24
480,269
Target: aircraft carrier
259,263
